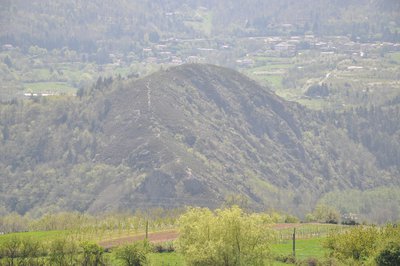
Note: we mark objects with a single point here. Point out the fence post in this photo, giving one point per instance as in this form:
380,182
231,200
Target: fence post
147,229
294,242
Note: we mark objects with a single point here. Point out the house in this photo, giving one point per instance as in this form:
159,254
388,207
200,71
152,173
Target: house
286,49
7,47
285,46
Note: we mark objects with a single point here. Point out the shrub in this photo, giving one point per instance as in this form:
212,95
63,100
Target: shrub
366,245
310,262
164,247
30,252
289,259
390,255
11,249
326,214
133,254
291,219
92,254
63,252
358,243
317,90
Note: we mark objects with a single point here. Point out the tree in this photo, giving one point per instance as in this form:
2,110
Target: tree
324,214
154,37
8,61
11,249
31,250
92,254
224,237
63,252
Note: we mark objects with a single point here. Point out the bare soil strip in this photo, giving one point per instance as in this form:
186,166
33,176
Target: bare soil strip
156,237
164,236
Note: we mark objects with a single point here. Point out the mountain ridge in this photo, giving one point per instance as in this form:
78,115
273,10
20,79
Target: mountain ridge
188,135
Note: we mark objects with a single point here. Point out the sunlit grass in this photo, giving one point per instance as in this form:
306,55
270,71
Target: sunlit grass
42,236
49,87
305,248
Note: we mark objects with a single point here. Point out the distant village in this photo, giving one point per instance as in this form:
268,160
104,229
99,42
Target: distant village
239,52
179,51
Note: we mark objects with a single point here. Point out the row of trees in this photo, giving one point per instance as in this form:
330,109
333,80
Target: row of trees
63,251
120,222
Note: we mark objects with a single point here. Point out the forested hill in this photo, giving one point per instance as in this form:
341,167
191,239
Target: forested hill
105,26
188,135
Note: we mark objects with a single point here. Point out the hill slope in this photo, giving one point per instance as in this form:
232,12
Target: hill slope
94,26
189,135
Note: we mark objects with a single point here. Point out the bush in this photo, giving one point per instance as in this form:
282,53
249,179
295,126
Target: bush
289,259
317,90
309,262
390,255
322,262
11,249
291,219
63,252
324,214
358,243
92,254
133,254
164,247
30,252
366,245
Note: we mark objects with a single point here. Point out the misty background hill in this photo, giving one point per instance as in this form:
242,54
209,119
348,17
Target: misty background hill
108,26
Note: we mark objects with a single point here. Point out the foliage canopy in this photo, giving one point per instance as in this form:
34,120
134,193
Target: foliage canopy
224,237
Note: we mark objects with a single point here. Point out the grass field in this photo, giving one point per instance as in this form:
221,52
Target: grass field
49,87
165,259
39,235
395,57
309,242
305,248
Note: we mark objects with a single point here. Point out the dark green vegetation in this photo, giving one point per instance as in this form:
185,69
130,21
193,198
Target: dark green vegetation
189,135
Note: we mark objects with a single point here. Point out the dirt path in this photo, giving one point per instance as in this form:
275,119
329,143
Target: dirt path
170,235
156,237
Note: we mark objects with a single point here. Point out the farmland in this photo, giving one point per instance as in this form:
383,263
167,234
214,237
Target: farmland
194,236
305,247
309,243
